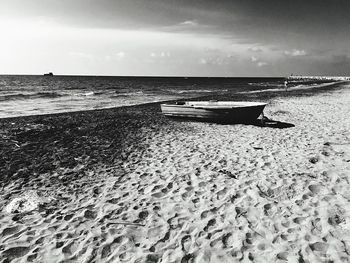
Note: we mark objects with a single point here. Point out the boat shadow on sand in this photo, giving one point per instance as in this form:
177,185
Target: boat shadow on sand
270,123
263,123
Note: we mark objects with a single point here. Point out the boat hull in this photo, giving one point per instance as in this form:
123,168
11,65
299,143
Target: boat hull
237,113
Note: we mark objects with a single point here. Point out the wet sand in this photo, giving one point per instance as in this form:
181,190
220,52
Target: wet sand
129,185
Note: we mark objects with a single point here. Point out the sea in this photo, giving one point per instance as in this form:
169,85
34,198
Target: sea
23,95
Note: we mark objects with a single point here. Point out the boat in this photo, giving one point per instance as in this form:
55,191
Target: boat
50,74
226,111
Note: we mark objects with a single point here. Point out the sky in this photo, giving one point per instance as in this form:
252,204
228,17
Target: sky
221,38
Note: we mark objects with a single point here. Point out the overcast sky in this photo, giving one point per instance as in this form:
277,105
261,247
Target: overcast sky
175,37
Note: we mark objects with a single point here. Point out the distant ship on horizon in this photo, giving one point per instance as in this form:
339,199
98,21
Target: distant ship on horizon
50,74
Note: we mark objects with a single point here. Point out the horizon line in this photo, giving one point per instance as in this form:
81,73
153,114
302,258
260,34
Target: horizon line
167,76
140,76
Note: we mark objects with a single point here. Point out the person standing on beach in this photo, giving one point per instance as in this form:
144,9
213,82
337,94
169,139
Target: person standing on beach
286,85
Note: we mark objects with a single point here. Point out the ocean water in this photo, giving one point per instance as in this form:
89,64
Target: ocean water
33,95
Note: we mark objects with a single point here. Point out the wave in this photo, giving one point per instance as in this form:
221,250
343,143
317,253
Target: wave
127,94
85,94
193,91
23,96
265,84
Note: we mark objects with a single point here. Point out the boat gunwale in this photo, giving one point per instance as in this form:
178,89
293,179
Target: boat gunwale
215,106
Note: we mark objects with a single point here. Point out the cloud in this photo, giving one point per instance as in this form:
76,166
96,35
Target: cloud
165,54
162,54
190,26
262,63
255,49
258,62
120,54
82,55
189,23
295,53
217,60
203,61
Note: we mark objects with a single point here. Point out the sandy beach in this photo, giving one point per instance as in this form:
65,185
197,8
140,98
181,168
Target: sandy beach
130,185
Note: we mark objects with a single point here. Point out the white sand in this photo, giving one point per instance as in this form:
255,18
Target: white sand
212,193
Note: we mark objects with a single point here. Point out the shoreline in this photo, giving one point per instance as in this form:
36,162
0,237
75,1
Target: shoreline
128,184
316,86
323,87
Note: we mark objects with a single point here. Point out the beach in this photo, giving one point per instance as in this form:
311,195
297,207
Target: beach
130,185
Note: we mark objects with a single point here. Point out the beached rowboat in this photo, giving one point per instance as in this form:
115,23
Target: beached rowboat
232,111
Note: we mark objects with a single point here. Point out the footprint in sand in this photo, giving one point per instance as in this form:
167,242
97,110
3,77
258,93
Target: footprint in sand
10,231
267,209
59,244
89,214
156,187
240,212
249,239
173,222
250,256
325,153
299,202
113,200
143,215
226,239
305,196
319,247
211,223
96,191
165,190
40,241
202,184
313,160
216,243
70,248
299,220
185,196
120,240
152,258
205,214
32,257
125,257
262,246
222,193
187,258
282,256
159,194
285,223
195,200
284,237
156,208
14,252
156,232
315,189
186,243
336,216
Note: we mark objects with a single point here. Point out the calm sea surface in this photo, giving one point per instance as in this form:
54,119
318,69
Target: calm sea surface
32,95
